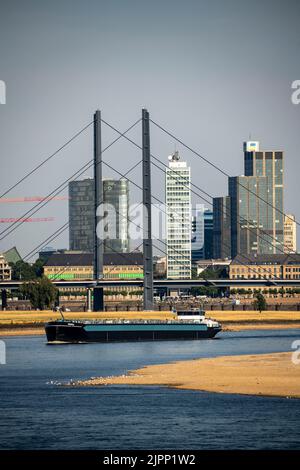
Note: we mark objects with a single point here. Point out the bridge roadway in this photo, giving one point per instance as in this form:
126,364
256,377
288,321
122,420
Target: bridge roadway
159,283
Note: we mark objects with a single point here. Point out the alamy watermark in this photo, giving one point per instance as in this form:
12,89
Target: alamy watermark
2,352
2,92
296,353
173,221
296,94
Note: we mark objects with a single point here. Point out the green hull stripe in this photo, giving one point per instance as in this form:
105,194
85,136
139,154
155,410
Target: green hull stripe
145,328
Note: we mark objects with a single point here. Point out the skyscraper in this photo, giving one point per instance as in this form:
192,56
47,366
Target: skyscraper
208,234
197,245
81,215
249,215
222,227
202,234
116,227
178,226
257,203
268,164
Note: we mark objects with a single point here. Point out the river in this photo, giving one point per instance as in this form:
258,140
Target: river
38,412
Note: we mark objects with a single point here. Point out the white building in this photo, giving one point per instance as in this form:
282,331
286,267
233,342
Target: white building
178,226
5,269
290,234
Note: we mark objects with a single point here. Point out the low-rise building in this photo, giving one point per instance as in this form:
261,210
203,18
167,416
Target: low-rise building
5,269
272,267
290,234
76,265
12,255
159,267
203,264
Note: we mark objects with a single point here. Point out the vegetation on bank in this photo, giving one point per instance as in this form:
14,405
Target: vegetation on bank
22,271
260,303
41,293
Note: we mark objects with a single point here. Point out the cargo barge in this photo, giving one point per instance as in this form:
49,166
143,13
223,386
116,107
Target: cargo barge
188,325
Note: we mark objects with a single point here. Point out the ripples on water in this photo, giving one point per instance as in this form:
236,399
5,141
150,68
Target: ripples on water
38,413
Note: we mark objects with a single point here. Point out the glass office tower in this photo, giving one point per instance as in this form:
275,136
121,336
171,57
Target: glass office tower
202,234
221,227
257,221
270,165
116,226
81,215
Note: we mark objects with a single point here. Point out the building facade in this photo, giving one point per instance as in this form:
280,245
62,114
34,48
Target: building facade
79,266
222,227
116,227
268,164
290,234
12,255
250,216
178,219
278,266
81,215
202,234
159,267
255,205
257,221
5,269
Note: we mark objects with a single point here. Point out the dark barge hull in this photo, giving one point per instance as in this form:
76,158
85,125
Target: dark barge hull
67,332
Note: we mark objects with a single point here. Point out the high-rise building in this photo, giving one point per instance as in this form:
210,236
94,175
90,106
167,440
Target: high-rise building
197,242
268,164
208,234
257,203
250,216
116,227
81,215
290,234
221,227
202,235
178,222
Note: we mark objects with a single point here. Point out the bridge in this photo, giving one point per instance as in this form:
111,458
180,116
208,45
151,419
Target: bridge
167,283
148,160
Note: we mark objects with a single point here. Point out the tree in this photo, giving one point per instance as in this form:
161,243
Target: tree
260,302
194,272
41,293
22,271
242,291
38,267
213,273
282,291
201,290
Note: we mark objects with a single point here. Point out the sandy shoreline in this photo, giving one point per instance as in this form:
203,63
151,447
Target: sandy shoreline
265,374
22,331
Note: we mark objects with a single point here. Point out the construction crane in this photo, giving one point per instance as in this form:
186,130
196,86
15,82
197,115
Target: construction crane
7,200
28,219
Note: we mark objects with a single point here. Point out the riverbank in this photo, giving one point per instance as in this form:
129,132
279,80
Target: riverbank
265,374
19,323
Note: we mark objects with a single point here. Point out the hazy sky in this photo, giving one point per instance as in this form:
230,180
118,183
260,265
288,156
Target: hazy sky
211,71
